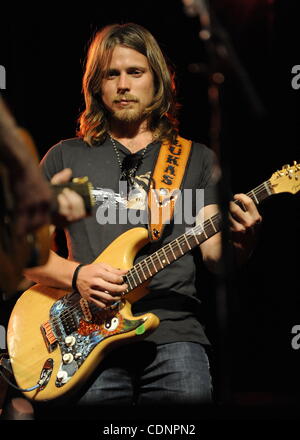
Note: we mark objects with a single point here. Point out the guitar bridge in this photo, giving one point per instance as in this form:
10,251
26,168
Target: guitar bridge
49,336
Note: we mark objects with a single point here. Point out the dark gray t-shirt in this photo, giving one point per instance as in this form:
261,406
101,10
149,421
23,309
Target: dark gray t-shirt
173,296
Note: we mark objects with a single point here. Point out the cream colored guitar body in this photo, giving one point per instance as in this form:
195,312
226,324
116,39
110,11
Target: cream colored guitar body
79,338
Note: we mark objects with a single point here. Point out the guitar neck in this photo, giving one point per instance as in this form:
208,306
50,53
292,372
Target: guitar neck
174,250
261,192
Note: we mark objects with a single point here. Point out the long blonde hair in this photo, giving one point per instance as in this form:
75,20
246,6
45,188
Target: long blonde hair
93,122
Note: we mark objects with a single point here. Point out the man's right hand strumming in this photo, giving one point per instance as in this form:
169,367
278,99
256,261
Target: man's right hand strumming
101,283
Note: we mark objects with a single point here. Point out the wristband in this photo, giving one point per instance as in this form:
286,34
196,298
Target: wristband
75,275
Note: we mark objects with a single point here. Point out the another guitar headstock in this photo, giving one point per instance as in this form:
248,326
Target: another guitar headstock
287,179
82,186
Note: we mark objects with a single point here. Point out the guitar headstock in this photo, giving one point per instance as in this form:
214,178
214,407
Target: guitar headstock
82,186
287,179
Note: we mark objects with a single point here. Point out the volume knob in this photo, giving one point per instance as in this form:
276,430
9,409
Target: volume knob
69,341
67,358
62,376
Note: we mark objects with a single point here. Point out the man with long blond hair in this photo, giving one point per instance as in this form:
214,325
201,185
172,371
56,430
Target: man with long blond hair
130,110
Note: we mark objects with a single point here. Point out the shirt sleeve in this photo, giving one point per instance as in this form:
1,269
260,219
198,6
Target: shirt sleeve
52,162
209,177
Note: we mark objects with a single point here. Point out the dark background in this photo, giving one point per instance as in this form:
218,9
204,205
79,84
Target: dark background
43,50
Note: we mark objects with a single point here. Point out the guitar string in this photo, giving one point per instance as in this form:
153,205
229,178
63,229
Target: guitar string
144,264
181,240
77,307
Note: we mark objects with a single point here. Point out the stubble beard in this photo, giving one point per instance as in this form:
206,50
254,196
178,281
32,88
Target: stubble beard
128,115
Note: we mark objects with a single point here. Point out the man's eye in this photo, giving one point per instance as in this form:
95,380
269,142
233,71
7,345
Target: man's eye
136,72
111,74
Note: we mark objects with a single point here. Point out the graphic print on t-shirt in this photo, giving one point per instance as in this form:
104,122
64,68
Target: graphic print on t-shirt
132,198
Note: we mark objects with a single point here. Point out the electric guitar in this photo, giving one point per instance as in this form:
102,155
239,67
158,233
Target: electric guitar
56,338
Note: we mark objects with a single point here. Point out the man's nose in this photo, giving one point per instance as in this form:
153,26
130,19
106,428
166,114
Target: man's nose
123,83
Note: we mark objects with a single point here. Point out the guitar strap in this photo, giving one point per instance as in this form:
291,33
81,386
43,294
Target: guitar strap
166,183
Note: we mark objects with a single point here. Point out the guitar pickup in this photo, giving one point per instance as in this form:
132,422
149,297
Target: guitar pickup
85,309
49,336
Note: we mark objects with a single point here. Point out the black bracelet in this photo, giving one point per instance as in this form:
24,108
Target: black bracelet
75,275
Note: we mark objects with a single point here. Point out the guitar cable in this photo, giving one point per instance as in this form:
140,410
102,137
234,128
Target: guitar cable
5,364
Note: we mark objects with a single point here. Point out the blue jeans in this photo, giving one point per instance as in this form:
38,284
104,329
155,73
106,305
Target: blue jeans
144,374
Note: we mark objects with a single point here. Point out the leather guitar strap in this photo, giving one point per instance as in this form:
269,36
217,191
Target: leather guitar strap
166,184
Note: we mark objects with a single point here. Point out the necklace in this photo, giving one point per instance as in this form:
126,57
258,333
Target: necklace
130,164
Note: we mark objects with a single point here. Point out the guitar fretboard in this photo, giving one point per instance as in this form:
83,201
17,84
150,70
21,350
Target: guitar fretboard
174,250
